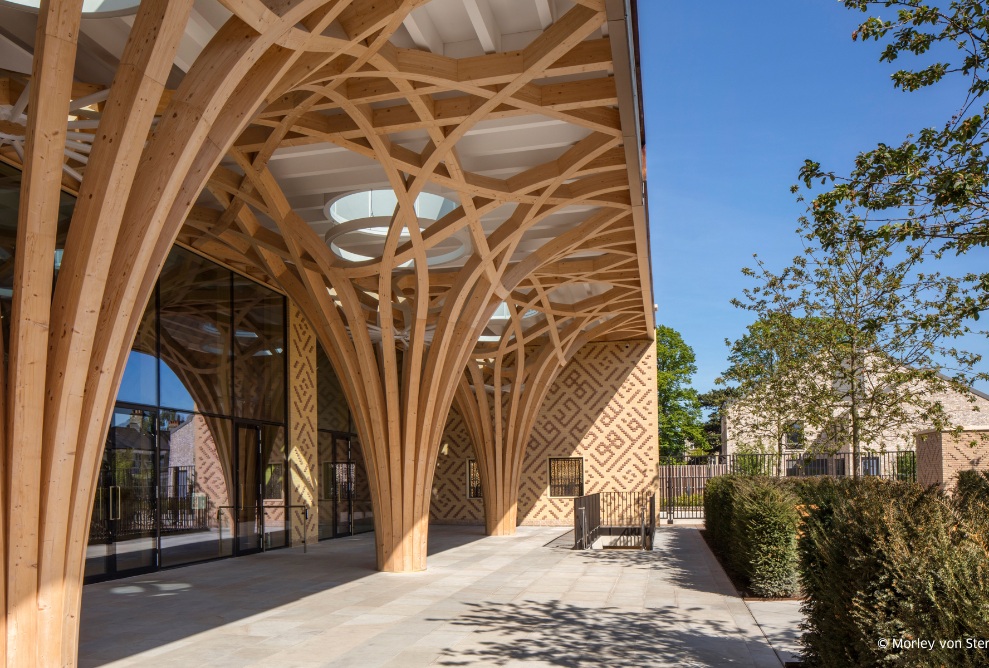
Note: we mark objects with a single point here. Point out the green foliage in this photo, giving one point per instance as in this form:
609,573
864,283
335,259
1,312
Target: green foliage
716,403
931,188
889,560
855,322
753,464
679,409
694,500
906,467
972,493
769,369
752,523
875,559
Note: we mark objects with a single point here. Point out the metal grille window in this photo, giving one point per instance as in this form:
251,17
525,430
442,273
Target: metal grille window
473,480
566,476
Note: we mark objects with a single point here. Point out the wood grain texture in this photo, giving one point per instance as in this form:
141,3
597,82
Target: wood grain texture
399,331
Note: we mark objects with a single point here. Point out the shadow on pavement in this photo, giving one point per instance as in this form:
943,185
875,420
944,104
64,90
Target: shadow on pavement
562,634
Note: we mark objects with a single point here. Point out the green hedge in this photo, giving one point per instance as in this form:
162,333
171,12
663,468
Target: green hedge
877,561
892,561
972,494
752,523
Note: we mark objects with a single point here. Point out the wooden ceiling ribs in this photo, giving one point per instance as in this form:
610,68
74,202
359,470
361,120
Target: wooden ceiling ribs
202,164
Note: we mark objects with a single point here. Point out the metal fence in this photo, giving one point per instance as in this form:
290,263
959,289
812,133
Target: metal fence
628,516
586,520
682,482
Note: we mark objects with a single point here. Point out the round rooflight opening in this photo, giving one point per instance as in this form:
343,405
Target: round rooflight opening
360,222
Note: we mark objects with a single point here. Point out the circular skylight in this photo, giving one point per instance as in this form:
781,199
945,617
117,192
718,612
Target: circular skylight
90,8
361,220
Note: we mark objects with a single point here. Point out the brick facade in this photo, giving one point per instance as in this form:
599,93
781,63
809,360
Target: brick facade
602,408
740,431
942,455
302,403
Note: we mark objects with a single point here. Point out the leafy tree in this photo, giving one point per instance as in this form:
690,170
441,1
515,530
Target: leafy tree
871,342
774,381
679,409
716,403
931,187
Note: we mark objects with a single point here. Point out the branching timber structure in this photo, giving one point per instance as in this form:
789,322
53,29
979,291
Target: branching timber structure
542,248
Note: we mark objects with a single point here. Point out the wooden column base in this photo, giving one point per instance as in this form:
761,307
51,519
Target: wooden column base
401,535
501,512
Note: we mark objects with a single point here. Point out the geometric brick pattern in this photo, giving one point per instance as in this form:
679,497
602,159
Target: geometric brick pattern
941,456
930,463
449,504
302,425
210,475
602,407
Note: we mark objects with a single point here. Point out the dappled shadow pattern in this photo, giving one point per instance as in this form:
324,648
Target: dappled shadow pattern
560,634
680,554
124,617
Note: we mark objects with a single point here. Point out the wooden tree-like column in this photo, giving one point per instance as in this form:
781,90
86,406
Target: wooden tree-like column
505,384
399,331
68,346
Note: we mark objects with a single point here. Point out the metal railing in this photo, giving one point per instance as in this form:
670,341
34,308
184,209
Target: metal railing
586,520
682,482
623,514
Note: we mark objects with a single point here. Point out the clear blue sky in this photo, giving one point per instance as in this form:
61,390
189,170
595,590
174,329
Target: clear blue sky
737,94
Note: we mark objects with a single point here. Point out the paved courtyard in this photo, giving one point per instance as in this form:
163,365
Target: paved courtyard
485,601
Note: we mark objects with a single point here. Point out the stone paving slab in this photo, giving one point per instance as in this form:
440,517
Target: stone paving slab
484,601
780,622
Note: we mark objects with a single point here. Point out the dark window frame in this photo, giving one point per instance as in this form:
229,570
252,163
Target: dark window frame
564,484
474,488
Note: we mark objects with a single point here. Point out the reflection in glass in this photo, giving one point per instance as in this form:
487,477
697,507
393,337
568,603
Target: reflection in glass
140,382
196,475
336,477
122,535
195,334
344,493
248,488
274,486
259,351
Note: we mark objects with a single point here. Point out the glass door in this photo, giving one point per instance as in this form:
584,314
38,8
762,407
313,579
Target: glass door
261,488
274,478
123,535
249,492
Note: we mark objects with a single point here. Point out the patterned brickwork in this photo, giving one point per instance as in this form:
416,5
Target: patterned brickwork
602,407
302,425
930,463
450,504
333,414
211,478
942,456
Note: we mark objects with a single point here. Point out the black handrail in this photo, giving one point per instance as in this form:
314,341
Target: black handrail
629,513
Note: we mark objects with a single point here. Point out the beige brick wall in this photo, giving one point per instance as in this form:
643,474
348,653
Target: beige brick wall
449,504
602,407
302,455
942,455
962,409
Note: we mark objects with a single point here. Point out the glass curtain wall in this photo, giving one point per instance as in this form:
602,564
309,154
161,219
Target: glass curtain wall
344,494
195,465
206,376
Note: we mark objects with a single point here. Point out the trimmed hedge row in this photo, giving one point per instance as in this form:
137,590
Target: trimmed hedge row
894,561
752,523
877,561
